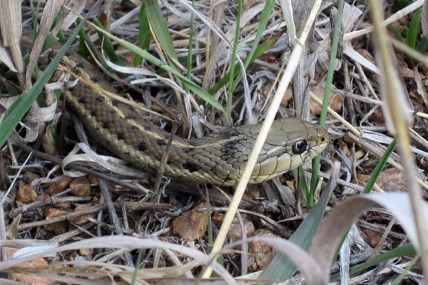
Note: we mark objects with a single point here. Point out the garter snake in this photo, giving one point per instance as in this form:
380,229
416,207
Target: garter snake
218,158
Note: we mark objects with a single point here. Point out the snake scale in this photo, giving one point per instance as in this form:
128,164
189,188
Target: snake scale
218,158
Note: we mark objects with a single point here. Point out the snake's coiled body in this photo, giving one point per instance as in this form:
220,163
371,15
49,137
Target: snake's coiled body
218,158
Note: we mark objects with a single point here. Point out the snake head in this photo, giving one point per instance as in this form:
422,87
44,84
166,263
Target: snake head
290,143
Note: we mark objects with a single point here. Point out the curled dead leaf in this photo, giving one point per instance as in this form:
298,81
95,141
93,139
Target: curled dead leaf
330,232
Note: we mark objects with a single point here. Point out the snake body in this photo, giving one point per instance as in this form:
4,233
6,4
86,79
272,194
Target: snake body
218,158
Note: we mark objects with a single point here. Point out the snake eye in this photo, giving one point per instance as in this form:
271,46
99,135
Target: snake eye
299,147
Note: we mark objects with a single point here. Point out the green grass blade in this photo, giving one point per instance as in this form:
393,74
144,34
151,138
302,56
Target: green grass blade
412,33
299,174
413,29
190,53
379,167
229,99
150,58
327,91
88,49
400,278
264,18
405,250
10,119
396,32
160,29
144,35
109,49
422,46
281,267
261,49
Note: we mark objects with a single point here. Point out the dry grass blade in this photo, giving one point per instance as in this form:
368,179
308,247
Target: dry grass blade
280,267
411,52
11,28
398,119
122,242
424,19
331,230
49,14
310,269
240,188
401,13
183,48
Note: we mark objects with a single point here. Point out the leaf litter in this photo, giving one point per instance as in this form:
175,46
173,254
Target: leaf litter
81,243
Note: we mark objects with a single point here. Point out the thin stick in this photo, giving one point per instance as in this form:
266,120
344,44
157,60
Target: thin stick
398,121
276,101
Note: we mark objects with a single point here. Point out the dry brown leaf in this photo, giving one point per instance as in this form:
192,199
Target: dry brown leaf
343,146
86,251
192,224
287,97
253,192
48,142
373,237
28,278
30,176
367,55
379,117
392,180
84,218
261,253
59,185
403,67
52,213
26,194
59,227
81,186
362,179
335,101
235,231
217,219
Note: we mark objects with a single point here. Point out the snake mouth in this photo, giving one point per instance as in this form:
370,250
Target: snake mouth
286,162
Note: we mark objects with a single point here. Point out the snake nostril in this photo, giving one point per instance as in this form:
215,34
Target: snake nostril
324,139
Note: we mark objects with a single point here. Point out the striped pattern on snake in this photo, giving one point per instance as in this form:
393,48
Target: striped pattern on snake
218,158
